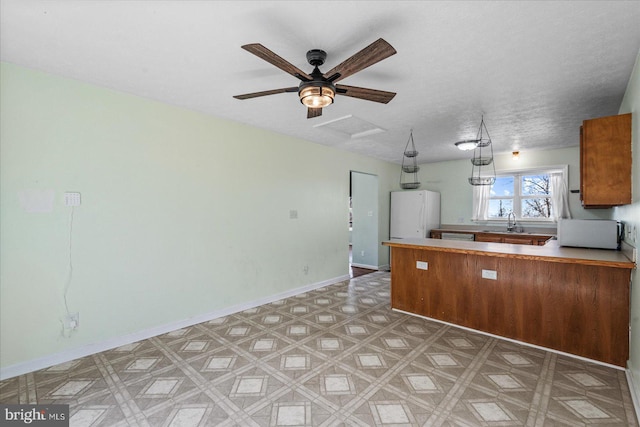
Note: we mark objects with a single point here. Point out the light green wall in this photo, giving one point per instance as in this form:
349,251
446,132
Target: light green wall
366,244
182,214
450,179
630,214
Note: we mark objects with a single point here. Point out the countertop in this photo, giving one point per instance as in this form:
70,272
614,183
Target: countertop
550,252
507,233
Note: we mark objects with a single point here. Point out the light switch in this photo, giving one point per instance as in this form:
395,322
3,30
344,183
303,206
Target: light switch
71,199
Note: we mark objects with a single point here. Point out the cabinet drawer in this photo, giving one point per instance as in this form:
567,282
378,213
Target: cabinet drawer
518,240
489,238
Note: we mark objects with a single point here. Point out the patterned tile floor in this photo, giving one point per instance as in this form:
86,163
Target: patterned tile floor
336,356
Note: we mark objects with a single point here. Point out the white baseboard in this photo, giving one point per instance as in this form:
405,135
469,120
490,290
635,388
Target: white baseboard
89,349
634,393
367,266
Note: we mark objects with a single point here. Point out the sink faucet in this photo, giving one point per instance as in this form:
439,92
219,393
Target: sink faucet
511,226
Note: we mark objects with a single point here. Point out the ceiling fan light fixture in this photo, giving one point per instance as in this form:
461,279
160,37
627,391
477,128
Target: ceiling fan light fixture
467,144
317,96
318,89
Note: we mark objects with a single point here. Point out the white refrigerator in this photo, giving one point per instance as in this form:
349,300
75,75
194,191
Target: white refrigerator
414,213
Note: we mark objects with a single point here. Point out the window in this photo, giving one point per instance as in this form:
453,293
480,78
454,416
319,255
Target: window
526,195
534,194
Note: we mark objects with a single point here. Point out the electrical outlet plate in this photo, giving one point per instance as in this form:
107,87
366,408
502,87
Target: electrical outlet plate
490,274
72,321
422,265
71,199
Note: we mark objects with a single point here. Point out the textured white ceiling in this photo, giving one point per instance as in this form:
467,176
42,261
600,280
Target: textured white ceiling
535,70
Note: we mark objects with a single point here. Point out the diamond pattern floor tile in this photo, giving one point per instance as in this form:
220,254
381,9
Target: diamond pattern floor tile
334,356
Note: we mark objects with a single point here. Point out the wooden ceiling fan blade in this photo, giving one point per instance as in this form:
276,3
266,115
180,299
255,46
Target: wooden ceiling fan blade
313,112
262,52
375,52
363,93
266,92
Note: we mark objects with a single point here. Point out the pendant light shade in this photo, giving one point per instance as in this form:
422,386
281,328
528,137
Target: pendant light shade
317,96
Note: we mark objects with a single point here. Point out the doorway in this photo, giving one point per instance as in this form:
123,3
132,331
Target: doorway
363,223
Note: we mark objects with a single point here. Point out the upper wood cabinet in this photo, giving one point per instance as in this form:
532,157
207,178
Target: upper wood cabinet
605,161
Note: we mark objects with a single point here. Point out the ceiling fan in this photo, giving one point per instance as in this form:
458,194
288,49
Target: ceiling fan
317,90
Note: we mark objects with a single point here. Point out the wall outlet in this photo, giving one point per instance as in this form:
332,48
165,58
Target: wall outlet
490,274
422,265
71,199
72,321
293,214
361,253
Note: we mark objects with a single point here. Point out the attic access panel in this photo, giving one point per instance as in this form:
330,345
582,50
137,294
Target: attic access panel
352,126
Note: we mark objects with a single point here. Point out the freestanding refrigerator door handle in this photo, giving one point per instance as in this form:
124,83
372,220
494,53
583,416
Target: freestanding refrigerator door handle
421,232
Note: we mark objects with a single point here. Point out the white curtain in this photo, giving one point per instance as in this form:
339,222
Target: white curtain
560,197
481,194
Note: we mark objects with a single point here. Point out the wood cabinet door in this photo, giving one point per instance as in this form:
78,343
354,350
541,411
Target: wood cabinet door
582,164
605,161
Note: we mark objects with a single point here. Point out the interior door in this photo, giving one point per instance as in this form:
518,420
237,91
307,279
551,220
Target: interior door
364,237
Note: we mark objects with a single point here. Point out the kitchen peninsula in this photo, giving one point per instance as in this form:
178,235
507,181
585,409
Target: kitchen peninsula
567,299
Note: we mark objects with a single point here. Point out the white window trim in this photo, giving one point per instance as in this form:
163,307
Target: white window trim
564,169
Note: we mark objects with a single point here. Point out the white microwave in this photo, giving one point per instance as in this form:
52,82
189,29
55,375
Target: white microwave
590,233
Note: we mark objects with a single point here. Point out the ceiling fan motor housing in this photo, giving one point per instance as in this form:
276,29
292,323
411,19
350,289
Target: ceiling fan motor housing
316,57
